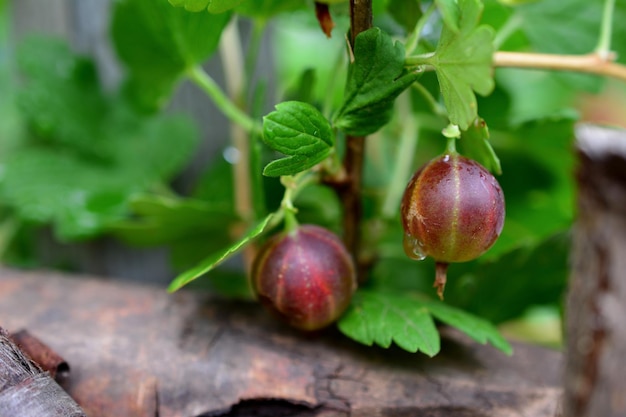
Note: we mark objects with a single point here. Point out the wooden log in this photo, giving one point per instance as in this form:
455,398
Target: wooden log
137,351
596,303
26,390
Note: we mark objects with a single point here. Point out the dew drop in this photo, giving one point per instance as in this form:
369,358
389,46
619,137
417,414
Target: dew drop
413,247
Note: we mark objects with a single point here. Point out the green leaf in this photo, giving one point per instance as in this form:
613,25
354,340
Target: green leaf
475,144
384,318
478,329
213,6
160,220
406,12
537,182
300,131
375,78
503,289
265,9
450,13
463,62
158,43
214,260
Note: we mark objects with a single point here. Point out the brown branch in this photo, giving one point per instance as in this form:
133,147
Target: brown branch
592,63
360,17
360,20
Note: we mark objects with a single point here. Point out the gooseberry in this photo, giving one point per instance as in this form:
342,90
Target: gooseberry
305,275
453,211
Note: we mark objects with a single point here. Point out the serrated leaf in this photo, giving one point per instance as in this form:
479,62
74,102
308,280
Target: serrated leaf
463,62
300,131
214,260
158,42
381,319
478,329
450,13
475,144
213,6
375,78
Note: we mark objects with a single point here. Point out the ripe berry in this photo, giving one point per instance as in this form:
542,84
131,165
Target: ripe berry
453,211
306,276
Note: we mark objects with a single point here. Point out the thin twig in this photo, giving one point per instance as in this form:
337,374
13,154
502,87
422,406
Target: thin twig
591,63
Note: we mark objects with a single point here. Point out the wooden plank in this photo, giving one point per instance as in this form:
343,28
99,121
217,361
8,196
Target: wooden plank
136,350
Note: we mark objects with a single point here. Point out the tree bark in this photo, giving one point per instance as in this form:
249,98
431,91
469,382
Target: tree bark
138,351
596,303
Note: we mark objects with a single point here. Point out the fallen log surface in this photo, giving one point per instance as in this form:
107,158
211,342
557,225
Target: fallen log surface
28,391
138,351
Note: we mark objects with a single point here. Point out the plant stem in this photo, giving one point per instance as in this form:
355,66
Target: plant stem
421,59
232,61
435,106
254,46
221,100
409,138
360,17
606,29
350,193
512,24
414,37
592,63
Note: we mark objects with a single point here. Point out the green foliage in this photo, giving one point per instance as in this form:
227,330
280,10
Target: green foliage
265,9
463,64
300,131
503,289
405,12
386,318
158,43
450,13
96,150
382,318
215,259
213,6
375,78
475,145
160,220
87,163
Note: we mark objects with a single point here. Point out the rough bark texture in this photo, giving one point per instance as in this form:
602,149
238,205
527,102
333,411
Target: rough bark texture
137,351
26,390
595,383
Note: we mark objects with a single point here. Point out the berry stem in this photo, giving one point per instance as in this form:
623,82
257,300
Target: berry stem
441,272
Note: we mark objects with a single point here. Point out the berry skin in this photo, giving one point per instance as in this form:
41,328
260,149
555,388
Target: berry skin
306,276
453,211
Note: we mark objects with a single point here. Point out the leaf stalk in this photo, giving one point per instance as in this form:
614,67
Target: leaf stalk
221,100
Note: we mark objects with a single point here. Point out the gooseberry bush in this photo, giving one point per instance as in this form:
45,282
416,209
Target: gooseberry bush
398,127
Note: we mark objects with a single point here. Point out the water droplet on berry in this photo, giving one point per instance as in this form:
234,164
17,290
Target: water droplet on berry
413,247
